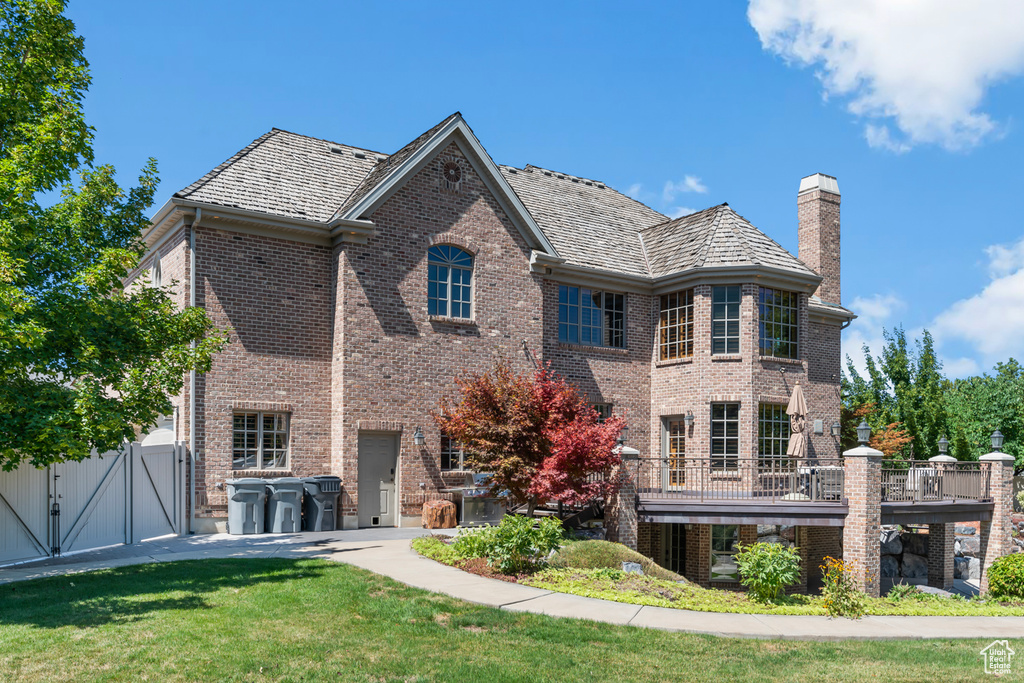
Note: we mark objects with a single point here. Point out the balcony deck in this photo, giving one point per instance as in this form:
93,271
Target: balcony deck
810,493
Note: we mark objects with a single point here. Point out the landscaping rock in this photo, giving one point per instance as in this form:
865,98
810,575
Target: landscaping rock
958,551
961,570
597,534
439,514
766,530
890,567
964,530
773,539
632,568
891,543
915,543
914,566
973,568
970,546
788,532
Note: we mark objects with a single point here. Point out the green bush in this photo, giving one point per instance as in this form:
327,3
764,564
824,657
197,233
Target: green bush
513,546
767,568
903,590
435,548
1006,577
607,555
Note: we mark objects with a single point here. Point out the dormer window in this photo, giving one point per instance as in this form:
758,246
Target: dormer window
449,282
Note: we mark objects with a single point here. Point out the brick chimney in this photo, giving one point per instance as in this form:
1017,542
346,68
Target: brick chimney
817,207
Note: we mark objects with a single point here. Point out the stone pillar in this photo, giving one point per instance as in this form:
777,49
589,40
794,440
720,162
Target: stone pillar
995,536
620,513
863,490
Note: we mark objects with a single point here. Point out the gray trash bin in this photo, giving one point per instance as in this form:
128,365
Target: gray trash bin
245,505
284,505
321,506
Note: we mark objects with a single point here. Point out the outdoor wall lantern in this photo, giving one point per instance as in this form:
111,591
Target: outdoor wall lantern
622,436
997,440
688,419
863,433
418,437
943,445
836,429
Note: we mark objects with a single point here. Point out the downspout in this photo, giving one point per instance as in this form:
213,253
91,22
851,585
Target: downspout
192,378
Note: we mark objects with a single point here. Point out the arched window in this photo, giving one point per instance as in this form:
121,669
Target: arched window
449,281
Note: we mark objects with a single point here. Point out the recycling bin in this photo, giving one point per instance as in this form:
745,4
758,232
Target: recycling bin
321,503
245,505
284,505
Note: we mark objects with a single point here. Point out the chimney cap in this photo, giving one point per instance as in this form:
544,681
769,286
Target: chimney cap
819,181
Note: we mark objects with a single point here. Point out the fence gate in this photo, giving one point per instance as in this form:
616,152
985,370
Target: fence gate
105,500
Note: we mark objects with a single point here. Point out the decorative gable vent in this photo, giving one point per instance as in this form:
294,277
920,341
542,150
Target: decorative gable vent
451,173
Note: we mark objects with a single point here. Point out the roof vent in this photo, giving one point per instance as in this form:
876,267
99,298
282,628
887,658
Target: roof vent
547,172
575,180
359,155
587,182
337,149
600,185
512,170
380,157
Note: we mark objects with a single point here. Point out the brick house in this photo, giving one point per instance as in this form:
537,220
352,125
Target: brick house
356,285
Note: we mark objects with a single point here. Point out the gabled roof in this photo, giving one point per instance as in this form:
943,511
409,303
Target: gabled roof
714,237
285,174
589,223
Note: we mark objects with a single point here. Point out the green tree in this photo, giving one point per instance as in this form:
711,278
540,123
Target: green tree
906,387
977,406
84,359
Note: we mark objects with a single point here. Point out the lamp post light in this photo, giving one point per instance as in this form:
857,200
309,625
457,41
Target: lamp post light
997,440
836,429
418,438
943,446
863,433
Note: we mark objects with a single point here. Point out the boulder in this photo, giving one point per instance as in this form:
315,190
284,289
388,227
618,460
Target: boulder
766,530
914,566
788,532
962,530
596,534
632,568
970,546
890,567
439,514
891,543
960,568
773,539
973,568
958,551
915,543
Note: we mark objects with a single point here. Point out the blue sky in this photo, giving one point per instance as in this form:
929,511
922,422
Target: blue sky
913,106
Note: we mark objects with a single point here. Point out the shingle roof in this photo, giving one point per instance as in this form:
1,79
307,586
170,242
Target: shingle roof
587,222
714,237
383,168
285,174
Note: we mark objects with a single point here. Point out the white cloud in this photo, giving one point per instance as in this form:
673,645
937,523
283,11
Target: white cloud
679,211
690,183
634,190
960,367
922,65
992,321
873,314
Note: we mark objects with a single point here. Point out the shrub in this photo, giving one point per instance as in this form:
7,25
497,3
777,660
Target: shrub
435,548
767,568
513,546
1006,578
903,590
607,555
840,594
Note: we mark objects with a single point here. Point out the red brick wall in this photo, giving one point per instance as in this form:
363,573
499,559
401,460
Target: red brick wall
818,232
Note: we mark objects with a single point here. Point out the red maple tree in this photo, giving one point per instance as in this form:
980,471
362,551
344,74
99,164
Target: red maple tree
535,433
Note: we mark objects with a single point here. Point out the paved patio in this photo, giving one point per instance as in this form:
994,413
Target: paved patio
387,552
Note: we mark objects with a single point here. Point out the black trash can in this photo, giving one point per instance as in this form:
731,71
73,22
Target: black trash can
245,505
321,503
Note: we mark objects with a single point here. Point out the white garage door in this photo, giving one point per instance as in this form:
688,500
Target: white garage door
108,499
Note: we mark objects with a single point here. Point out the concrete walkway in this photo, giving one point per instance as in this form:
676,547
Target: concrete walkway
387,552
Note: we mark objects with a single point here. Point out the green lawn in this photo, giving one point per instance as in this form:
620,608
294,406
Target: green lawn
281,619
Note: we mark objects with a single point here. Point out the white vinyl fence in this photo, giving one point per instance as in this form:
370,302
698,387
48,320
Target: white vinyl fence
109,499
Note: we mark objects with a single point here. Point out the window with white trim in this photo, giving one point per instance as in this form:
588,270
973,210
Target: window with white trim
260,441
778,321
675,326
591,317
724,539
725,436
452,455
725,319
449,282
